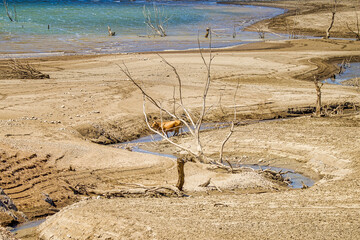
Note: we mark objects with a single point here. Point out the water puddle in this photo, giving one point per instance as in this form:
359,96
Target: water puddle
296,180
351,71
27,225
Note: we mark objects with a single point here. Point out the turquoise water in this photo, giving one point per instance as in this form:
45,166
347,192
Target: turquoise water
81,26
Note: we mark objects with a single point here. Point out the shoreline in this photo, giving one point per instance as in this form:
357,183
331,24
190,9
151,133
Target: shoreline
123,43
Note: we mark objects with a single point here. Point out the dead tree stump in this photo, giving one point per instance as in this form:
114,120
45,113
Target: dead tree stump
318,86
181,173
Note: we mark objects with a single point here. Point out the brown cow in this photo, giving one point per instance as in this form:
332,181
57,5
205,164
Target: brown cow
169,126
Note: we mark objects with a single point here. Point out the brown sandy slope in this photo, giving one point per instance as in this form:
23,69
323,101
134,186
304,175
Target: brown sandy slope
310,18
88,100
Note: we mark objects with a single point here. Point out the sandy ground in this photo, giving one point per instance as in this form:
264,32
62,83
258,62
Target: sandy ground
50,130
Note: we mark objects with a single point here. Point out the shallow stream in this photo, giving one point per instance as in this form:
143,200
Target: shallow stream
296,179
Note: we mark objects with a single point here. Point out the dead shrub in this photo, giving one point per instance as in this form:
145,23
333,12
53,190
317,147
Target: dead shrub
25,70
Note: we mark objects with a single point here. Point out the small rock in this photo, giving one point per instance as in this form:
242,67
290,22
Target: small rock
62,106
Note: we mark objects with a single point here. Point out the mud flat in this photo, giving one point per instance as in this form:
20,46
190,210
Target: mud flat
51,131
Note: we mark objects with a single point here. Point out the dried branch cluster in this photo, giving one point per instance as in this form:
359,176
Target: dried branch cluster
11,18
156,20
356,32
25,70
192,121
132,190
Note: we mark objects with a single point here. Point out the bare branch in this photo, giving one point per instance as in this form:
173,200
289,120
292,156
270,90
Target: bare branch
157,25
206,88
357,33
159,133
180,95
231,128
7,11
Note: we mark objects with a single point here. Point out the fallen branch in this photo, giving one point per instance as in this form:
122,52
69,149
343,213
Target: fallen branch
141,190
205,184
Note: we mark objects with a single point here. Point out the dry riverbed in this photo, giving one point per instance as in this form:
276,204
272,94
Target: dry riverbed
50,130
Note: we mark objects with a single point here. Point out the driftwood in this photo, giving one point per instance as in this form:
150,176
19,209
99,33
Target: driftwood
205,184
277,176
25,70
110,32
140,191
304,186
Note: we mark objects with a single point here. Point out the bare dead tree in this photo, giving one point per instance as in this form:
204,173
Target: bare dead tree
156,20
333,12
357,31
188,119
261,31
291,28
318,86
7,11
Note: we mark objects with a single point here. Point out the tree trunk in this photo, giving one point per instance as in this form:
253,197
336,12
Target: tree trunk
318,102
331,25
318,86
181,173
